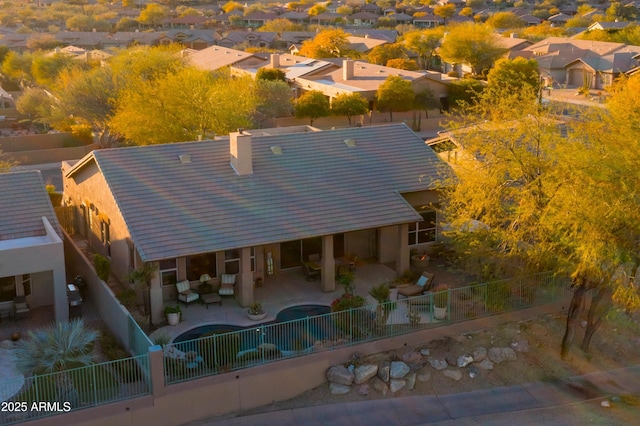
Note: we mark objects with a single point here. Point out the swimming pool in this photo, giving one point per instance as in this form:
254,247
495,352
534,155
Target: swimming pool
285,333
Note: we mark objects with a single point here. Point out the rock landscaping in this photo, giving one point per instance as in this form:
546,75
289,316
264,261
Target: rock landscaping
389,376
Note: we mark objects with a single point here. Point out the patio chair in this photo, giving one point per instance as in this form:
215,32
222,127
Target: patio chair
310,274
21,308
185,294
353,261
425,283
227,285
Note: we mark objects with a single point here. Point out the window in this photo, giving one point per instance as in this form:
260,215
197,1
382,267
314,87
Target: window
201,264
168,272
232,261
7,289
425,231
105,236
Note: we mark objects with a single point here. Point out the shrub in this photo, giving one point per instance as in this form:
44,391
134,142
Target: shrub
103,266
127,297
219,349
346,302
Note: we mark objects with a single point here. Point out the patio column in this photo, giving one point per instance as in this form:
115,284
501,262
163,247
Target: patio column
328,265
402,249
156,301
244,282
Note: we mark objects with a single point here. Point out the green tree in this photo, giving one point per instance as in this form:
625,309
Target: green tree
231,6
514,74
36,104
312,105
385,52
548,201
280,25
317,9
403,64
424,101
349,105
274,99
271,74
326,44
424,43
45,69
471,43
505,20
464,92
17,67
445,12
151,113
395,94
152,15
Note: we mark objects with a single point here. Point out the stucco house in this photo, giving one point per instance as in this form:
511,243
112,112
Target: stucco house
31,246
365,78
255,203
577,63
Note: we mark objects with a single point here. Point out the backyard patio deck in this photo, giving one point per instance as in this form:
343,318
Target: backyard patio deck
287,288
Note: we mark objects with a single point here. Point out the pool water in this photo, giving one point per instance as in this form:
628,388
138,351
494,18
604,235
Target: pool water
284,334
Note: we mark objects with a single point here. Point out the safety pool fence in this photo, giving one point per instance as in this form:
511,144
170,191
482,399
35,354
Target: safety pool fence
222,351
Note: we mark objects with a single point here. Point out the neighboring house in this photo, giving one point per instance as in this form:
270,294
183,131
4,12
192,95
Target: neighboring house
365,78
577,63
217,57
428,21
249,38
363,19
326,18
31,246
559,19
293,66
6,100
513,44
387,35
364,44
608,26
258,202
258,19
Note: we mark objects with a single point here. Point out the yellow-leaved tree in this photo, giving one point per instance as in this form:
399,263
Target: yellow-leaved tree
532,192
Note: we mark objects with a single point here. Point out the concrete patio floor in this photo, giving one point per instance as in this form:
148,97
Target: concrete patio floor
287,288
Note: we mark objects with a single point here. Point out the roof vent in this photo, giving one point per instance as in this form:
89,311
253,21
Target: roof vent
276,150
351,143
185,158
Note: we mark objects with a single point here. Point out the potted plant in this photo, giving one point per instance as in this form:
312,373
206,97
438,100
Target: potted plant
440,301
255,312
173,314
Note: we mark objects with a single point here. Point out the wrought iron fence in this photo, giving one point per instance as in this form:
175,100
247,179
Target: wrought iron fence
74,389
227,350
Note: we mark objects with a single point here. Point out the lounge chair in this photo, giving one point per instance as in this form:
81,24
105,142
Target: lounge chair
21,308
185,294
227,285
425,283
310,274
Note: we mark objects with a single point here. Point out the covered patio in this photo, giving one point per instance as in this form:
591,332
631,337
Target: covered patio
287,288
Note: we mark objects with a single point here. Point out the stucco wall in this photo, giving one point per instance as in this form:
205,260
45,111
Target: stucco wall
89,187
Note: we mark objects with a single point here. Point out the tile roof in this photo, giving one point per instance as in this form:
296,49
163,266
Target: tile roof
24,202
216,57
317,186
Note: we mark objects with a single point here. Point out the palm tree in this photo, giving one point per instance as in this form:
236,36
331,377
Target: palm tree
142,278
55,349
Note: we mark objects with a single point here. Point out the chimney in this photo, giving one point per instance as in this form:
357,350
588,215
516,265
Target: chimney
347,69
241,152
275,60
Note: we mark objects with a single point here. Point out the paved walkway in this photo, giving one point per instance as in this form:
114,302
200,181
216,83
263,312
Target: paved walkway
558,403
